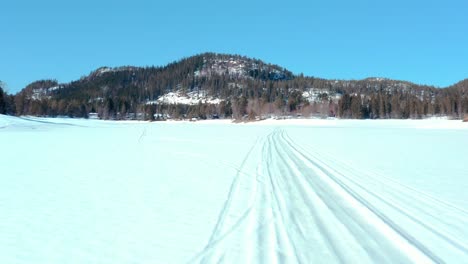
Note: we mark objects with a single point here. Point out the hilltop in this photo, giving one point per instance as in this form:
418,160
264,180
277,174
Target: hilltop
212,85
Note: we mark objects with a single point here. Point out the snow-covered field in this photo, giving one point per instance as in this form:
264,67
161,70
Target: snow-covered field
293,191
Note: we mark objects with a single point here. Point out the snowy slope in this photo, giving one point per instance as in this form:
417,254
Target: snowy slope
328,191
190,98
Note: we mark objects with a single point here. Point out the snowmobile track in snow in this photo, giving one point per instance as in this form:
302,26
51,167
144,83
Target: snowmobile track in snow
301,206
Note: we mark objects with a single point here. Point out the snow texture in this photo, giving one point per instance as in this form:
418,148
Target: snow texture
190,98
318,94
292,191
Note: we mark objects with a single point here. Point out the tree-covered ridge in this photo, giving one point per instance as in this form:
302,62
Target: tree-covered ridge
242,88
7,102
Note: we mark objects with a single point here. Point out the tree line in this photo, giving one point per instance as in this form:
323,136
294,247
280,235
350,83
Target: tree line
7,102
248,89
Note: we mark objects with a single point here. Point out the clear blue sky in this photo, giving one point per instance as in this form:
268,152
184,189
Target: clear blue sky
421,41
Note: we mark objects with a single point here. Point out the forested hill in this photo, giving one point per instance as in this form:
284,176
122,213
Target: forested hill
213,85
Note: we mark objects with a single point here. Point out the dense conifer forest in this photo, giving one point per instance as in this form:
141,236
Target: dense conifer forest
213,85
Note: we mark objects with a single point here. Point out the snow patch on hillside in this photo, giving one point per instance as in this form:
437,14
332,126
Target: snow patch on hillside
318,94
104,70
239,68
190,98
43,93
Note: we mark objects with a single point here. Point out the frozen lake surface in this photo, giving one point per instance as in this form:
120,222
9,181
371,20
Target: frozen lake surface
293,191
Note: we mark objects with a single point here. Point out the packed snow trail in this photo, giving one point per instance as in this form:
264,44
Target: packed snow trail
302,207
441,225
319,191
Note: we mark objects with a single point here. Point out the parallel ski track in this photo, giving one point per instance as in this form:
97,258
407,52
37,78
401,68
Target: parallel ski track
49,123
394,199
302,206
336,178
221,231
